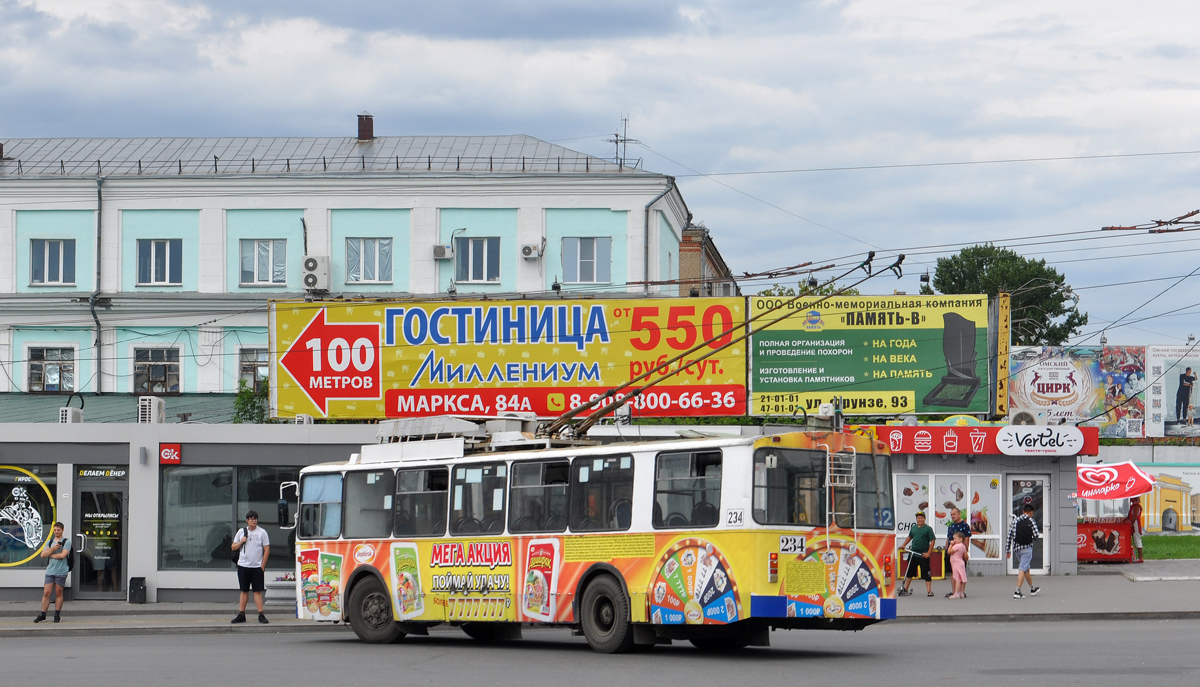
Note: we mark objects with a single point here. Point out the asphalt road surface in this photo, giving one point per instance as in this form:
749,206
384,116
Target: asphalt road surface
976,654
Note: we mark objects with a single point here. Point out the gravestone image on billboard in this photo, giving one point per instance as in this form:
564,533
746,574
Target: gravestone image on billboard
961,381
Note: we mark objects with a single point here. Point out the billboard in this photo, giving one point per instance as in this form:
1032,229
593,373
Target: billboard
1172,391
367,360
882,355
1100,386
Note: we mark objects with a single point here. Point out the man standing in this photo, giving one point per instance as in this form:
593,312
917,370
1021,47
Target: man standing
255,547
921,549
1135,527
1021,533
1183,397
957,524
56,572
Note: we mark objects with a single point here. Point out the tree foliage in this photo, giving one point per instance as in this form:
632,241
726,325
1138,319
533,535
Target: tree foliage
250,406
1043,310
779,290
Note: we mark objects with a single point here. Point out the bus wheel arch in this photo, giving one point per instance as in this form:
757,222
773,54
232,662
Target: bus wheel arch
368,607
592,573
604,612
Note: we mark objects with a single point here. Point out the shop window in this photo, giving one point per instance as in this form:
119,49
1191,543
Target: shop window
478,499
52,262
602,494
321,506
587,260
28,513
156,370
160,262
369,261
255,368
421,502
258,490
196,517
540,501
788,487
477,259
369,504
51,370
687,490
264,261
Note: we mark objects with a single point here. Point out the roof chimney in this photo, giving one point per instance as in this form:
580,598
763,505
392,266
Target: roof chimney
366,126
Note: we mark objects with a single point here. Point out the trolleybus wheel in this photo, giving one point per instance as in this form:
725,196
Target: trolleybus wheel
371,613
604,614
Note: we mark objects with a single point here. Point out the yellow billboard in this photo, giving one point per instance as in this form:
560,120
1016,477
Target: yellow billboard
367,360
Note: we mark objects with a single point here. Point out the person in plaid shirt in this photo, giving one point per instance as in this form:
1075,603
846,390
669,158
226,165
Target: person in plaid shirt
1020,541
957,524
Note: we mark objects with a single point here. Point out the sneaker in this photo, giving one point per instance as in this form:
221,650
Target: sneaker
56,618
263,619
902,592
239,618
1018,595
1033,591
40,617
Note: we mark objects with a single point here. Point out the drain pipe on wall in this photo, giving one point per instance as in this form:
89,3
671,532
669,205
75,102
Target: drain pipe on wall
646,245
96,292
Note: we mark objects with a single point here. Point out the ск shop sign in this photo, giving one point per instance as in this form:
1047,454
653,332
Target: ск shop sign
1035,440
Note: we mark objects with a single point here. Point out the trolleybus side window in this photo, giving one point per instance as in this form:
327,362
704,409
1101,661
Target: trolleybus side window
421,502
539,497
601,493
369,504
687,491
873,505
321,506
788,487
478,499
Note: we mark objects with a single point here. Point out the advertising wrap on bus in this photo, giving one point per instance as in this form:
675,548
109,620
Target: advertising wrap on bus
479,358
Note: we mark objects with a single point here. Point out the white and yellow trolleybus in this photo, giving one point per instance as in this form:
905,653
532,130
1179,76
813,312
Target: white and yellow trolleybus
714,540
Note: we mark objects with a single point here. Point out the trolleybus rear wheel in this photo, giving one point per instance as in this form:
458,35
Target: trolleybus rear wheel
371,613
604,614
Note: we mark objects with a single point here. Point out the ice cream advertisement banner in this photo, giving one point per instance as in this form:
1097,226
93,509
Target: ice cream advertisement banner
1100,386
977,497
1172,372
482,358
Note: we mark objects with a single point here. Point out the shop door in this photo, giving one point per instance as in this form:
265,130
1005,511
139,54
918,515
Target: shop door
1030,489
100,514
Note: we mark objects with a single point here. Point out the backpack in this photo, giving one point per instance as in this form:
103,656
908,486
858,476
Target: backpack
70,560
1024,533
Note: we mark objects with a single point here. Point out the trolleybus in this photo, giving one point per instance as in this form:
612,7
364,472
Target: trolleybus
714,540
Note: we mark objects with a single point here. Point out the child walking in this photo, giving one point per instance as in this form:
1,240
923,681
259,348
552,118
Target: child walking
958,564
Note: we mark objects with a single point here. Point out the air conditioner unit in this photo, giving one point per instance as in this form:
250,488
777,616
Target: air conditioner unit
531,251
151,410
316,273
443,252
302,419
70,416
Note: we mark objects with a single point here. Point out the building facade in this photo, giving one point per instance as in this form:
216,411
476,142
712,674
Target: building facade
702,270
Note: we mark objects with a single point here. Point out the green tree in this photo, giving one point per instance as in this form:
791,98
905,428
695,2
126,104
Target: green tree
779,290
250,406
1045,312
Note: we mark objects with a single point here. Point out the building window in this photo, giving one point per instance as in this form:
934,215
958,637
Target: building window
160,261
587,260
726,290
369,261
52,262
156,370
477,259
51,369
264,261
255,367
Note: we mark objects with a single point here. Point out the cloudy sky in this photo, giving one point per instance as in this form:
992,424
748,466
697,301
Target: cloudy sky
709,87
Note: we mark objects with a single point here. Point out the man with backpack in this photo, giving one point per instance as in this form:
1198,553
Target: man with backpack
1021,533
254,547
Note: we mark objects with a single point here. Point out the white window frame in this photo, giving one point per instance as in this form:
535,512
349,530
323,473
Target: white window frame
258,280
45,260
474,244
243,362
154,250
579,261
74,363
362,243
134,348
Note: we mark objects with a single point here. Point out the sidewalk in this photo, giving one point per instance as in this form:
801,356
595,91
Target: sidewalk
1155,590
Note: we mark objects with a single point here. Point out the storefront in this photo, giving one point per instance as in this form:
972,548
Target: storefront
990,472
153,501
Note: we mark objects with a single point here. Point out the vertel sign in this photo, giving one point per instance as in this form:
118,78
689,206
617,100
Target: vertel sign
1034,440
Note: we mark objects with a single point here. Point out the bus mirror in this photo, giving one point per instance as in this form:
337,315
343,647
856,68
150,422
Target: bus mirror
285,519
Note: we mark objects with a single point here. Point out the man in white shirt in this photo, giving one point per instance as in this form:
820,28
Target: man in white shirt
255,547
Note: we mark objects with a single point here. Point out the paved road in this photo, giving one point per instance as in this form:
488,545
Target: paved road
1091,653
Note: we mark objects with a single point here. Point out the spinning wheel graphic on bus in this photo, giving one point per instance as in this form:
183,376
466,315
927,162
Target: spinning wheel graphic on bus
694,585
849,586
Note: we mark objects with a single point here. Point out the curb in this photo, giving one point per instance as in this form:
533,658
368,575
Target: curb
121,612
1048,617
144,631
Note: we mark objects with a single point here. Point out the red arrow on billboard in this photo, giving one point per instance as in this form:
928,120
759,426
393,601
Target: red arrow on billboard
335,361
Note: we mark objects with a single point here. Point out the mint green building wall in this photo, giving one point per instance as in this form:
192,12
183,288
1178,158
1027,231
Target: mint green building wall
57,224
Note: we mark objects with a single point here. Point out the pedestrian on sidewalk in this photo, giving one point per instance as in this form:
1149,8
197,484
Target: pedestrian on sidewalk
1021,533
1134,517
255,548
920,553
57,551
957,524
958,564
